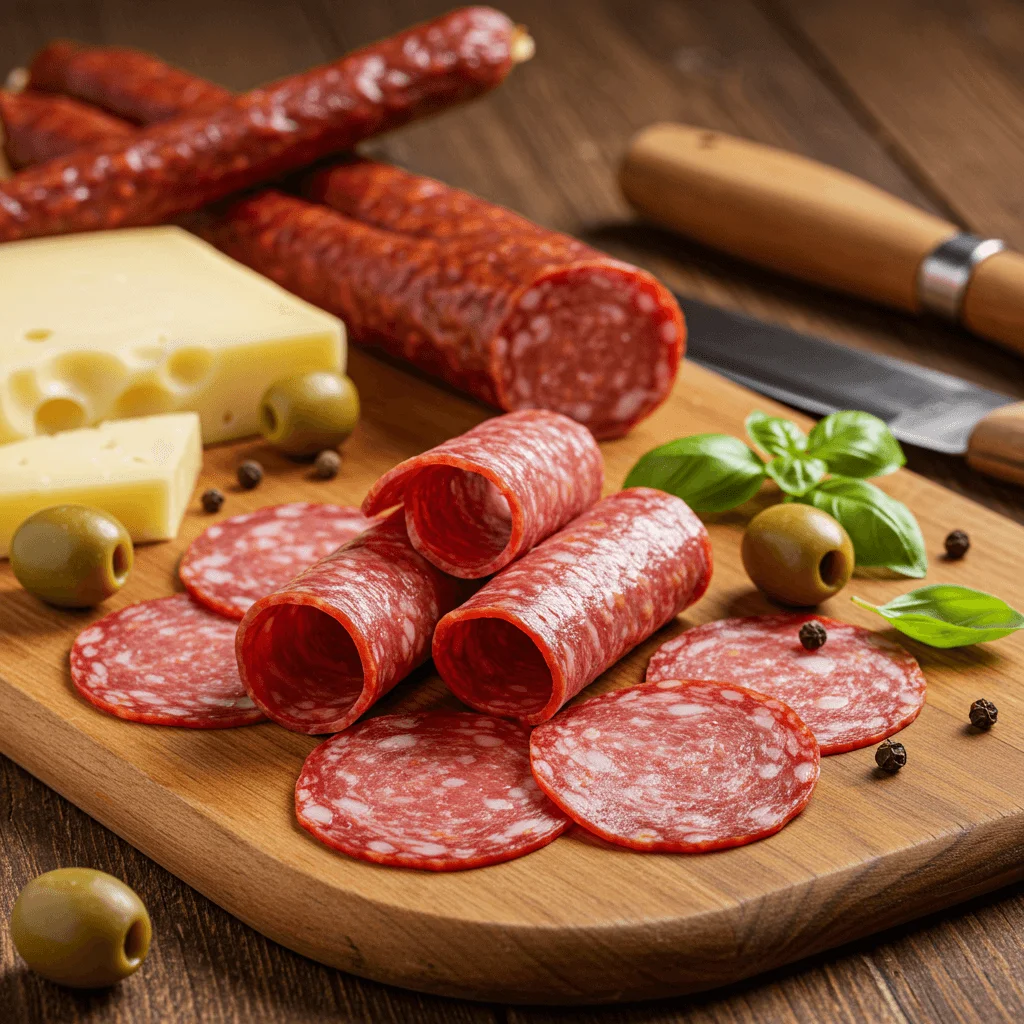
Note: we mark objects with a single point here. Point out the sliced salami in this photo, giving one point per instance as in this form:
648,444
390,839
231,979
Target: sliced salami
678,766
480,500
552,622
441,791
854,691
164,662
233,563
320,651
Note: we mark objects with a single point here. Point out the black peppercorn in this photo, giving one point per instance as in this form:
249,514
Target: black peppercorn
327,464
250,474
957,544
891,757
812,635
983,714
212,500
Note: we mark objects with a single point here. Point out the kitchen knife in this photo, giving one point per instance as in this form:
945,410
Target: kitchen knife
814,222
923,407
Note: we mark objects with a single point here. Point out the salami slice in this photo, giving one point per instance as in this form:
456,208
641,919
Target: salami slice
480,500
678,766
441,791
552,622
317,653
854,691
233,563
168,661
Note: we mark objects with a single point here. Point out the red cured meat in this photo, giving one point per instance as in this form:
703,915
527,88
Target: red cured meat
678,766
480,500
551,623
233,563
442,791
320,651
163,662
854,691
175,166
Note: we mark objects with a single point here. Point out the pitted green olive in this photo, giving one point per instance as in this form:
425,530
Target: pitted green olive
305,414
797,554
72,556
80,927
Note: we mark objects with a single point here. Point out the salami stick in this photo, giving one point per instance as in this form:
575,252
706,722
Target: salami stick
172,167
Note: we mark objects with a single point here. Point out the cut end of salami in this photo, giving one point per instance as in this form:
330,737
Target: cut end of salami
164,662
439,791
234,563
678,766
852,692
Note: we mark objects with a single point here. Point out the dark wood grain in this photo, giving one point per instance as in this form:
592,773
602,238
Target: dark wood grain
922,99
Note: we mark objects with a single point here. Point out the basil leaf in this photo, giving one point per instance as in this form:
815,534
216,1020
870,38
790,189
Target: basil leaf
710,472
883,530
777,436
945,615
855,444
796,474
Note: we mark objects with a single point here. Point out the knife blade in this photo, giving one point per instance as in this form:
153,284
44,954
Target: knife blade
921,406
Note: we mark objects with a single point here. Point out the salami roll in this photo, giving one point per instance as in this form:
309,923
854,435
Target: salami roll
852,692
175,166
233,563
440,791
483,499
317,653
678,766
164,662
551,623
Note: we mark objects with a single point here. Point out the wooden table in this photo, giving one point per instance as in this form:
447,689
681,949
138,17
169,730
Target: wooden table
924,100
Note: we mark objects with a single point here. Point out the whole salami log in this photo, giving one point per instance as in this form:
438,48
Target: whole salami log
175,166
319,652
510,312
483,499
551,623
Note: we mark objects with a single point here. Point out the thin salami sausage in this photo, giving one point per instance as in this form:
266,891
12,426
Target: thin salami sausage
551,623
233,563
854,691
678,766
319,652
441,791
175,166
480,500
168,661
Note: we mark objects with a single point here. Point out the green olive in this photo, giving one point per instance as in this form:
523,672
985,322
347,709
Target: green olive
797,554
305,414
72,556
80,927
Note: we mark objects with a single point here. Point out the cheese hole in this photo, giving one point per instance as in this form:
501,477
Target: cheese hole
38,334
188,366
111,444
90,372
143,400
58,414
228,417
23,461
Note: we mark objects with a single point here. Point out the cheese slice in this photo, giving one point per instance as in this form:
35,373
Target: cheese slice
141,471
146,320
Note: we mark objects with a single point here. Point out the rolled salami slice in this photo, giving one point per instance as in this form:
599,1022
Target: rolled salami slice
480,500
317,653
235,562
164,662
442,791
552,622
854,691
678,766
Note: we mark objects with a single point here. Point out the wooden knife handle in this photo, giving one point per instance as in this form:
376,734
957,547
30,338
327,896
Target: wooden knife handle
996,447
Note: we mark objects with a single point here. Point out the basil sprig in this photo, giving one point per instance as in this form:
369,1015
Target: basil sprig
946,615
826,468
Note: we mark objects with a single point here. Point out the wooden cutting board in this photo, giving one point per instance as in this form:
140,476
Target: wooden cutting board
579,921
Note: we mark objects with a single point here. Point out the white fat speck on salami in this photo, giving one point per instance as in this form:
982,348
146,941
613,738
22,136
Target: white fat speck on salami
233,563
854,691
677,766
164,662
440,791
